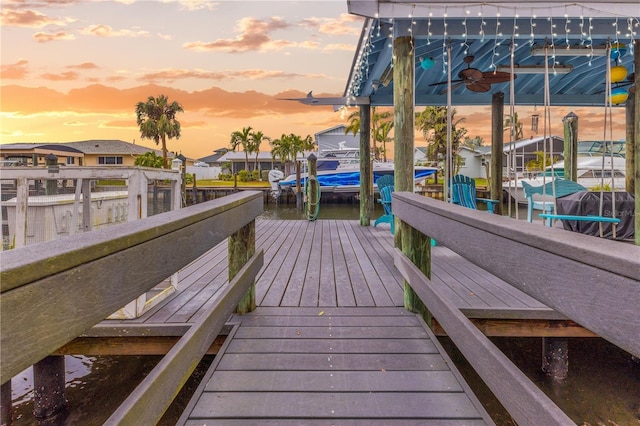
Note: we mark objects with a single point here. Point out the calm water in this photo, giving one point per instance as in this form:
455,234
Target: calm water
603,387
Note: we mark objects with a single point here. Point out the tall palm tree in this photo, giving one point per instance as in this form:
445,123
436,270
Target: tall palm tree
515,126
156,119
377,120
287,148
257,138
432,122
382,135
242,138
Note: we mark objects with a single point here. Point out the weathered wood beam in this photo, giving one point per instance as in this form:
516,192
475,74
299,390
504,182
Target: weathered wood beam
570,122
366,174
96,273
497,148
593,281
148,402
524,401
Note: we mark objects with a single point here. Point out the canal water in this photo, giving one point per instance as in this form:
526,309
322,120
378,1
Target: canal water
603,387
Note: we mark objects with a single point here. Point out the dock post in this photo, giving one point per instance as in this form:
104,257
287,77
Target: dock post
555,357
298,188
242,245
366,171
570,122
5,404
497,144
48,387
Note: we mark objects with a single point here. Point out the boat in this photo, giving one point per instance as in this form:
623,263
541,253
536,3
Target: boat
338,171
591,175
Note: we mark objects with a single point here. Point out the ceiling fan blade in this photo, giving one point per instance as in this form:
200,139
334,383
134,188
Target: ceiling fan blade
479,87
443,82
470,74
453,86
491,77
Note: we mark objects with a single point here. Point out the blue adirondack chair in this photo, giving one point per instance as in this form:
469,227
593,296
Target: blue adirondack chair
385,188
562,187
463,193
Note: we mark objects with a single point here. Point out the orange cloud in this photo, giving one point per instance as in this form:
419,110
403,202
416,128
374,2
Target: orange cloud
253,36
65,76
338,26
43,37
17,71
84,66
27,18
107,31
252,74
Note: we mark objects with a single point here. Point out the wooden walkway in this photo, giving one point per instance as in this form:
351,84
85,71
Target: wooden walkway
328,263
322,366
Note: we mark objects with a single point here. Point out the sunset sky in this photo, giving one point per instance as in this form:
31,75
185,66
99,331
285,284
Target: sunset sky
73,70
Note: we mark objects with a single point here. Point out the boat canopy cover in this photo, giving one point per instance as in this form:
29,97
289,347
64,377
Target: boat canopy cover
586,203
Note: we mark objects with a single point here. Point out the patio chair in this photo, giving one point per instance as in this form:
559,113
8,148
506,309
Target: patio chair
562,187
385,188
463,193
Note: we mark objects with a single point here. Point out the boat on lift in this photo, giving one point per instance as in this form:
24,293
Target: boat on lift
339,172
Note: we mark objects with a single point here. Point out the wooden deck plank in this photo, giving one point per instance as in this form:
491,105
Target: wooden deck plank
311,284
330,346
327,293
341,294
281,266
334,421
381,405
320,381
379,243
357,294
355,372
367,284
293,292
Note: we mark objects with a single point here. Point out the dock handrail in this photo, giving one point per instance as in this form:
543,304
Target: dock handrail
96,273
601,294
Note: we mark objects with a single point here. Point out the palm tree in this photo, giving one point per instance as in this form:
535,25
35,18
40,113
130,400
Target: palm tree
541,162
432,122
256,138
242,138
473,143
377,120
517,130
156,119
287,148
382,135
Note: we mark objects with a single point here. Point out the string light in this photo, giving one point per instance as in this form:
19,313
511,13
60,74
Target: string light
429,29
482,24
464,44
532,25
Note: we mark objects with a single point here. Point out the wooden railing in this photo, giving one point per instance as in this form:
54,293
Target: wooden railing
54,291
593,281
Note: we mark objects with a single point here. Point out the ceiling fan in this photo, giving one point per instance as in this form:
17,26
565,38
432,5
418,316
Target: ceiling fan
476,80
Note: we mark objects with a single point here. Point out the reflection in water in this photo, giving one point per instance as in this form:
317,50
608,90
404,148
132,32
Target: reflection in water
603,387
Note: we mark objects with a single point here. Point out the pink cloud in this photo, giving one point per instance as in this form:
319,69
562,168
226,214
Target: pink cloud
43,37
17,71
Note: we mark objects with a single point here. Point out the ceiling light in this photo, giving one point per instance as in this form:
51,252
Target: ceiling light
570,51
536,69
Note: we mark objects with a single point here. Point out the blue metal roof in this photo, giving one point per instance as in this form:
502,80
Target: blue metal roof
489,39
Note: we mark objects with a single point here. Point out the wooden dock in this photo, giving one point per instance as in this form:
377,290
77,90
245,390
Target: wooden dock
328,264
362,365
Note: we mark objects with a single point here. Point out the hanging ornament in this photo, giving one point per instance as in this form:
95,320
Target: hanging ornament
618,73
427,63
618,50
619,95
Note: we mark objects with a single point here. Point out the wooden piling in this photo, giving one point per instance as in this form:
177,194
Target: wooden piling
5,404
570,122
365,166
497,148
312,194
242,246
48,387
555,357
630,148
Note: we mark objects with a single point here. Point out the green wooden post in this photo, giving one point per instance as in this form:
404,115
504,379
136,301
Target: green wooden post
636,145
403,120
630,151
417,247
242,245
366,173
570,122
497,148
